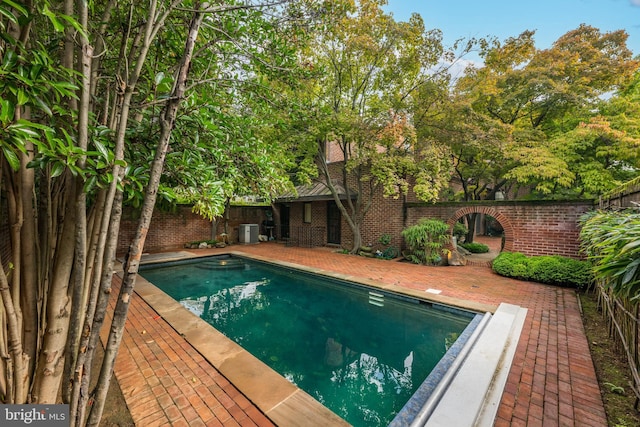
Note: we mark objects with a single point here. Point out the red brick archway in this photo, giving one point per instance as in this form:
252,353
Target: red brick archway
500,217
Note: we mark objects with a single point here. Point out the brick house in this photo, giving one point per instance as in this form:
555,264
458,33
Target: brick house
312,218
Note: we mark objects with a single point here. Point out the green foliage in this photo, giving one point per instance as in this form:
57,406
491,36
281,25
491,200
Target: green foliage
460,231
426,240
32,78
227,139
548,269
561,271
539,118
510,264
390,253
614,388
385,239
475,248
365,120
611,240
474,143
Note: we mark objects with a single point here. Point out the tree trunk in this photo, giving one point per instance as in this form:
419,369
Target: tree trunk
132,259
16,370
51,358
13,314
112,202
351,215
80,263
227,212
471,227
96,312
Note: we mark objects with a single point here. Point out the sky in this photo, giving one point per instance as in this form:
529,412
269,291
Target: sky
508,18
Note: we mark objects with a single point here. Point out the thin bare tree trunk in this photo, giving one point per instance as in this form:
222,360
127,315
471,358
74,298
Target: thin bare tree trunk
99,49
132,260
78,306
471,228
109,230
23,289
4,352
50,363
15,221
96,313
95,253
68,55
20,299
15,383
29,260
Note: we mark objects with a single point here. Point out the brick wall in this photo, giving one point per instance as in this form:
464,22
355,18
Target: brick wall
308,234
530,227
241,215
167,230
384,217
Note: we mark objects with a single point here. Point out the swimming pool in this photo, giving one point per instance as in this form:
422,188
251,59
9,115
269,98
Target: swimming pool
359,351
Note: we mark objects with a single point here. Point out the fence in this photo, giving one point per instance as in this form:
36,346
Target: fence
625,196
623,315
624,325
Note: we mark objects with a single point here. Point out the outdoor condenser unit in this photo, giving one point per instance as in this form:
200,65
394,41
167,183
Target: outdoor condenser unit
248,233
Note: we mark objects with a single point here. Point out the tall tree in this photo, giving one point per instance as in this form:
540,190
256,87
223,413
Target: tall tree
475,145
367,68
544,94
90,101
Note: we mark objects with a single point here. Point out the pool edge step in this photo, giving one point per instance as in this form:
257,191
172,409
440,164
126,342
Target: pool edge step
474,393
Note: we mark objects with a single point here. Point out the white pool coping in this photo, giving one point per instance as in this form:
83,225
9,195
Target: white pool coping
470,392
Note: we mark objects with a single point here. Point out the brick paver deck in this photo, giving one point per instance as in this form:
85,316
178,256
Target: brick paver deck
552,381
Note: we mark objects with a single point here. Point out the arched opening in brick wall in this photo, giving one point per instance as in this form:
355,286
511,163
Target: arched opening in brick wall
508,230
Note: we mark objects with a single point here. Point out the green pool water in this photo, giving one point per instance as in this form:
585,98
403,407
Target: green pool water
360,352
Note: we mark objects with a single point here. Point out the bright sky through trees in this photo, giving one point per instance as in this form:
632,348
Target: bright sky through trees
508,18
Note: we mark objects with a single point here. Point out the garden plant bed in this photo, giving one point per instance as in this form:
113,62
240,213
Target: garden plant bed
611,366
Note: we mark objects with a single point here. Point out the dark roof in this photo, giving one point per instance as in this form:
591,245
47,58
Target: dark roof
314,192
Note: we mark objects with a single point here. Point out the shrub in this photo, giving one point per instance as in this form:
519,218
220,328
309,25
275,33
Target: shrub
475,248
548,269
510,264
389,253
385,239
611,240
426,240
460,231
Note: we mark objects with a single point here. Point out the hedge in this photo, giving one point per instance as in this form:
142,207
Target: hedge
548,269
475,248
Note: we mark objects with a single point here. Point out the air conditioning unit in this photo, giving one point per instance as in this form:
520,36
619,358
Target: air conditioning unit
248,233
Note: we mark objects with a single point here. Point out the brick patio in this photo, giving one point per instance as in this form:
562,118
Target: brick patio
552,381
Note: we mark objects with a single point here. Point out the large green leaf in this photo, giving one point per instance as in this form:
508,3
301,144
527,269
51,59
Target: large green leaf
11,158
